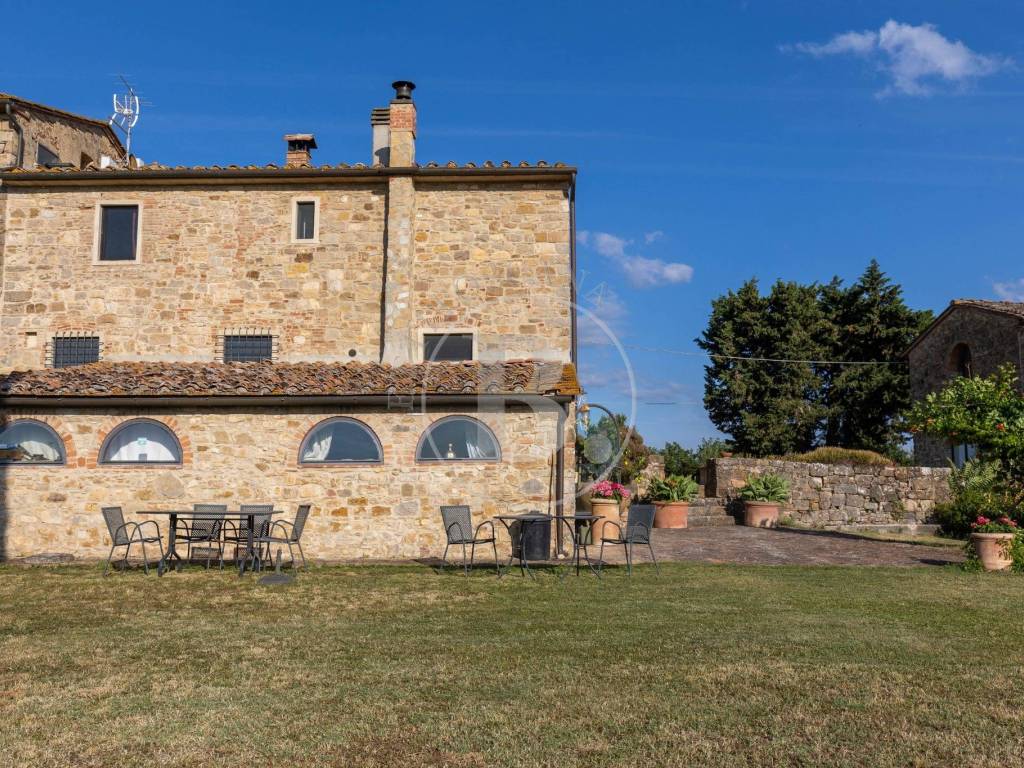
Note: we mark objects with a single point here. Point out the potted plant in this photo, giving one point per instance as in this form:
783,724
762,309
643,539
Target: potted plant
605,500
993,540
762,495
672,497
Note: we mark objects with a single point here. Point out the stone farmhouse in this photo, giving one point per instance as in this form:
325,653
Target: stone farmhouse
970,338
374,339
37,136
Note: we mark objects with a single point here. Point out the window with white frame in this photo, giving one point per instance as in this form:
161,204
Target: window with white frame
306,220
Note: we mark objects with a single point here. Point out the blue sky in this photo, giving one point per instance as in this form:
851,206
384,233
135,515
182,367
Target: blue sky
715,140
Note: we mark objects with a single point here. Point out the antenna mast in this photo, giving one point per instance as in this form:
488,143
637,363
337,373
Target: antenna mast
126,114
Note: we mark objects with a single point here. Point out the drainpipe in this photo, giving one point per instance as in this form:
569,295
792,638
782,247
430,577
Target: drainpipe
559,478
8,110
572,266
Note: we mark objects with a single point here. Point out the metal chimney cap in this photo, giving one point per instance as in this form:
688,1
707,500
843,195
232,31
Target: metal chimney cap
403,90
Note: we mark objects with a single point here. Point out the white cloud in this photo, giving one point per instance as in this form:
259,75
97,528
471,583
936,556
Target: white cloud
650,237
911,56
640,271
1012,291
648,273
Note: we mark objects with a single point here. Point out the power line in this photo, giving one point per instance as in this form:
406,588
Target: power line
688,353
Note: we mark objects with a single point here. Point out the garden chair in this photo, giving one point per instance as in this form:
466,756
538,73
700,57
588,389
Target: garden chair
203,534
639,522
283,532
124,534
458,529
239,536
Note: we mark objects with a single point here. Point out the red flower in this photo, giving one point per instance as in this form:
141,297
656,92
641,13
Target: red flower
1001,427
982,520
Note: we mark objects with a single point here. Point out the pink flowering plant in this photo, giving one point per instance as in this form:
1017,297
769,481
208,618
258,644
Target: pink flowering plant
606,489
999,525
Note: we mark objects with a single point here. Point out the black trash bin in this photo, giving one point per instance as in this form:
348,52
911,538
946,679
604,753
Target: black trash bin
535,540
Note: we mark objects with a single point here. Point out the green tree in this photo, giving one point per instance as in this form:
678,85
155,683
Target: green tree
869,322
771,407
610,444
678,460
766,406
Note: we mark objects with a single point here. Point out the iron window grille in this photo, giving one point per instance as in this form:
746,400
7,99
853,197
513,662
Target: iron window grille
66,351
248,347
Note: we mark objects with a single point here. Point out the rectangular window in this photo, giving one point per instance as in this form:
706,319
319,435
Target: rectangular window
119,232
438,347
75,350
248,349
305,220
45,156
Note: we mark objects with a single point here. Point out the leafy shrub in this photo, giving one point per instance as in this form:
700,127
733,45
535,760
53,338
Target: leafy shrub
769,488
830,455
979,488
673,488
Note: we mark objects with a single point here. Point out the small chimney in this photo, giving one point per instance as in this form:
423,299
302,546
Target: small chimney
300,149
380,120
402,122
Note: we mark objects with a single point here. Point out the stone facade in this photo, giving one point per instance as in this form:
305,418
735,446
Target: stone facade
399,250
491,258
838,495
72,138
981,335
250,455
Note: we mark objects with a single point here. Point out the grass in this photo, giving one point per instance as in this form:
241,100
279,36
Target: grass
831,455
384,666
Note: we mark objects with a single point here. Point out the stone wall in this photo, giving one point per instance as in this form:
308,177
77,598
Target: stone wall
993,340
838,495
491,258
240,455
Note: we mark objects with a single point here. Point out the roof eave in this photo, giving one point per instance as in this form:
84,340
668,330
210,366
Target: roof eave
277,175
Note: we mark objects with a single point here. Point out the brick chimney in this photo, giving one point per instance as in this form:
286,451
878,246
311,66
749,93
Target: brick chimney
402,122
300,149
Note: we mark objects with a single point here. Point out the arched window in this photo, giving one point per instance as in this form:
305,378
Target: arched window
340,441
960,361
458,438
141,441
27,441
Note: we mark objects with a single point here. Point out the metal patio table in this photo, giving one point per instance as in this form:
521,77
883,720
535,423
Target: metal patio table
577,543
171,554
531,518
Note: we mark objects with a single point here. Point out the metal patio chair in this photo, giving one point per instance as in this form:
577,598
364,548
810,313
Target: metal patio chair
124,534
639,522
203,534
239,536
458,529
289,534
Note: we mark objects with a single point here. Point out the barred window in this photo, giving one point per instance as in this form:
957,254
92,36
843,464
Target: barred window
248,348
75,350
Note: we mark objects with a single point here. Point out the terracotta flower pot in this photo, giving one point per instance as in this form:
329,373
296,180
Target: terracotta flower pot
760,514
671,514
993,550
608,509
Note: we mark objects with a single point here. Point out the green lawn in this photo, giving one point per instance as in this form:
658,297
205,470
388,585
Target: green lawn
400,666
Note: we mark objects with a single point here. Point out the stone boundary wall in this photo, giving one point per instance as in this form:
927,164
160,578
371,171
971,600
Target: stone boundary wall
838,495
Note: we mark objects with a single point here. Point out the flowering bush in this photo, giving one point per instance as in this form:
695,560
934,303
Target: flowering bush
606,489
1000,525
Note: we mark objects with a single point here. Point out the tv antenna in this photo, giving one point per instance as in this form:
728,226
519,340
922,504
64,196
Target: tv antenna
127,107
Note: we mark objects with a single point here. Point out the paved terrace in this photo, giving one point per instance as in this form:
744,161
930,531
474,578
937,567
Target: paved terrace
754,546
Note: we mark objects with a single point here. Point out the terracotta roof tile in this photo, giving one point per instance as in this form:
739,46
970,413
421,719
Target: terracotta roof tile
1015,308
155,167
148,379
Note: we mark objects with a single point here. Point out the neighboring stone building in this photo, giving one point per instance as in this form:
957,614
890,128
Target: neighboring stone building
970,338
37,136
247,334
